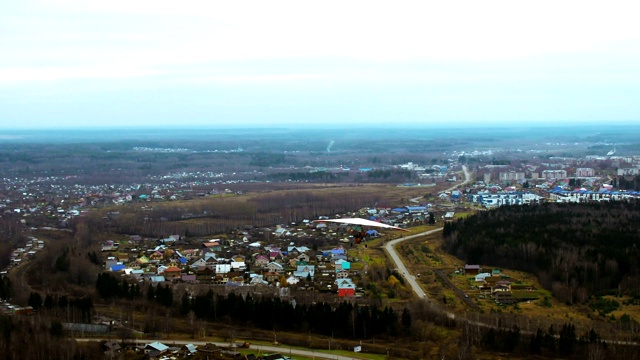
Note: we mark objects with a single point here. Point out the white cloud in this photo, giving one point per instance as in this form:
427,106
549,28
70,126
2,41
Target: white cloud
249,78
376,31
370,50
15,75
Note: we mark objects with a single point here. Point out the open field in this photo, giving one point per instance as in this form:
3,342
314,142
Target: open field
270,205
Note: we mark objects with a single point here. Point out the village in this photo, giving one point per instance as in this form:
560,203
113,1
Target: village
311,256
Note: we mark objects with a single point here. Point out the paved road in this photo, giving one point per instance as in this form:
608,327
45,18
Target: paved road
400,265
467,179
389,247
265,348
411,279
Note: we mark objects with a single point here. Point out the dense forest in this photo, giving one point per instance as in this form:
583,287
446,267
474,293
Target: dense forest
576,250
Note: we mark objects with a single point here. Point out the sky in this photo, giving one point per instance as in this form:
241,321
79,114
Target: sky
78,63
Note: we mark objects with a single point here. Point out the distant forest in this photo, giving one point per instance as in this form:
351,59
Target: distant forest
575,250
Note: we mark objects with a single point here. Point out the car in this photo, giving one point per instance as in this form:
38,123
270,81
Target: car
465,295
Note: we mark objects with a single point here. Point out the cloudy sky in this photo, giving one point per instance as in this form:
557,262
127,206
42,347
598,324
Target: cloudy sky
78,63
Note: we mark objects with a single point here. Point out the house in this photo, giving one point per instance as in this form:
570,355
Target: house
212,246
501,285
271,276
135,273
346,287
275,255
297,249
172,272
341,264
155,347
337,251
275,267
238,265
482,276
373,233
295,262
117,268
223,268
156,256
142,260
258,280
160,269
303,257
110,245
198,263
504,297
339,257
111,261
211,348
123,257
281,232
167,241
111,348
205,272
190,349
304,271
471,269
221,279
261,261
190,253
238,258
211,258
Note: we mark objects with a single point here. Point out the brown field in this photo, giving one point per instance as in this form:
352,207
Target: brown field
269,205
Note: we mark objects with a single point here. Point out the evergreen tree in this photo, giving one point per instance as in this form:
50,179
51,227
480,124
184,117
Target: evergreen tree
535,346
48,301
567,340
151,293
35,301
406,321
5,288
185,304
432,218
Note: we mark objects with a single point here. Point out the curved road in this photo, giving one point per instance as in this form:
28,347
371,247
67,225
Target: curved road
389,247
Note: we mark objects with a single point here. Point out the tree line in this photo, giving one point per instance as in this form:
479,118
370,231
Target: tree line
344,320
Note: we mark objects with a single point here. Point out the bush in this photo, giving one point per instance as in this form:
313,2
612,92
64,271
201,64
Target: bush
604,306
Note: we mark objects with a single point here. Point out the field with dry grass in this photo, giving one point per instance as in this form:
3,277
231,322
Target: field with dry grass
260,206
